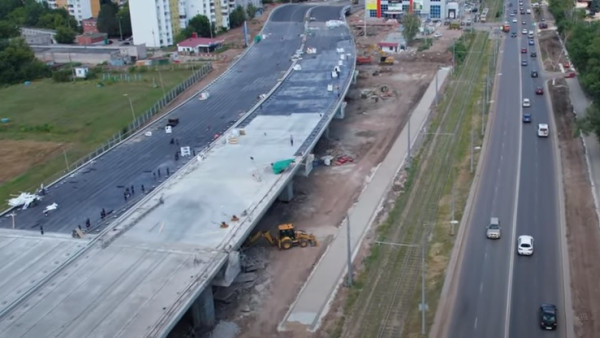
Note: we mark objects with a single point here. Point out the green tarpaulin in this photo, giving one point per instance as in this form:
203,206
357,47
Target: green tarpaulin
280,166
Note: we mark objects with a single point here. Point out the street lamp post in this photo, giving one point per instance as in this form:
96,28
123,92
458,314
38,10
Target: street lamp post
130,105
12,215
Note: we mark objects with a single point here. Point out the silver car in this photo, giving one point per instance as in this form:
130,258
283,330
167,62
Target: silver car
493,229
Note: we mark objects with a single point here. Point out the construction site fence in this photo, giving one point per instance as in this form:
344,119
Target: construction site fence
141,120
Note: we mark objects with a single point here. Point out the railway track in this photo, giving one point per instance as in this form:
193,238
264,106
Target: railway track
387,297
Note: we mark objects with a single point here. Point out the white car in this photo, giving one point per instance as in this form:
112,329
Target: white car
526,103
514,20
543,130
525,245
524,31
528,11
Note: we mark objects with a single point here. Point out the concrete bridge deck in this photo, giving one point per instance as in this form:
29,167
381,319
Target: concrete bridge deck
144,271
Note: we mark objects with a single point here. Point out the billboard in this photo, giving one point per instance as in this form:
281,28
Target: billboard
371,5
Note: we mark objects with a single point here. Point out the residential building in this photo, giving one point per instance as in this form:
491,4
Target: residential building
38,36
157,25
428,9
79,9
196,45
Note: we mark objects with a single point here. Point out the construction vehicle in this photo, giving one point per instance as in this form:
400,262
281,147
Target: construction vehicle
288,237
386,60
363,60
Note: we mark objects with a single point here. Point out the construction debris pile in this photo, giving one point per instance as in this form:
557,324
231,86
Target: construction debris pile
249,287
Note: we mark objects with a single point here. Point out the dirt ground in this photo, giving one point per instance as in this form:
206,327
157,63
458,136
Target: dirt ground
583,235
18,156
377,110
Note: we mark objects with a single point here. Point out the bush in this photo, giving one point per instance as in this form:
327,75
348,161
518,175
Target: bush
62,75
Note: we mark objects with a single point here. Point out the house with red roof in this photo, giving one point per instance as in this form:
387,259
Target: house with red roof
196,45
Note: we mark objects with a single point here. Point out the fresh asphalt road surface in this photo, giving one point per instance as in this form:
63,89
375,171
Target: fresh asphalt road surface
101,184
492,274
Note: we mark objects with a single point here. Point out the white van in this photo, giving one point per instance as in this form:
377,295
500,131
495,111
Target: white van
543,130
530,34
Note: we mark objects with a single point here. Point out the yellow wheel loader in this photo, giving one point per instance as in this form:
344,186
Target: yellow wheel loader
287,238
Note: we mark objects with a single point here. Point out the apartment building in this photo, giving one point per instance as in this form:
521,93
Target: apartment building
79,9
156,23
432,9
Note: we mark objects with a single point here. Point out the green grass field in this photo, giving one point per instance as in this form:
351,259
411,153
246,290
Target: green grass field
77,116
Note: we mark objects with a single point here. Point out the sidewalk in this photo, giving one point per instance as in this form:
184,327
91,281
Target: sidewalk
580,103
315,296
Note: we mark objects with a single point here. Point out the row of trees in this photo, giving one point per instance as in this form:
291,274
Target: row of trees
582,40
202,26
113,20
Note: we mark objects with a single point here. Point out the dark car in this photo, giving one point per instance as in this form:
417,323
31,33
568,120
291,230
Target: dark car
524,63
548,314
533,54
539,91
526,118
534,73
513,34
523,50
173,122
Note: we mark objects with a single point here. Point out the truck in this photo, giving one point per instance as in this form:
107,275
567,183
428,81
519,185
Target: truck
363,60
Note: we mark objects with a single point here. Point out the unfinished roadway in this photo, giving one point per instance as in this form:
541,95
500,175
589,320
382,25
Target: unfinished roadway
150,263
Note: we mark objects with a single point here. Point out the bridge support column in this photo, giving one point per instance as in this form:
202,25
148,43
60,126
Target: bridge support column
203,311
341,112
355,77
288,192
307,165
326,133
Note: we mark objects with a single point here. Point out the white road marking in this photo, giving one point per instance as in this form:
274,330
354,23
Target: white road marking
514,223
475,324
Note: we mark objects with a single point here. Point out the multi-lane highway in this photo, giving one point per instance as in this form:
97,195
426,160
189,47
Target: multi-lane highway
499,292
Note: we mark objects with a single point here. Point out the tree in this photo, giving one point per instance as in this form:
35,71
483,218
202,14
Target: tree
124,18
251,11
17,63
200,25
107,19
65,35
8,30
411,24
237,17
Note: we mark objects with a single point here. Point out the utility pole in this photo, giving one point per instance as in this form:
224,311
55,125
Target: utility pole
66,160
408,157
436,86
349,281
471,150
423,276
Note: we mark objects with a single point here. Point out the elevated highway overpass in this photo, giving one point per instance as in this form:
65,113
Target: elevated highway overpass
154,261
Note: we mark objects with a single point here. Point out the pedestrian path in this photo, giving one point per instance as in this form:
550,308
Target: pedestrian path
315,296
580,103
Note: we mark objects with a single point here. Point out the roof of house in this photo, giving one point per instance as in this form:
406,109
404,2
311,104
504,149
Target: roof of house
195,42
388,44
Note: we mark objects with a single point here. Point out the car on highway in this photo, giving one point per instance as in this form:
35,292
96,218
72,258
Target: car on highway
539,91
525,245
526,103
543,130
514,20
523,23
548,316
542,25
533,54
523,50
513,34
493,229
526,118
570,75
528,11
524,63
524,31
531,42
534,73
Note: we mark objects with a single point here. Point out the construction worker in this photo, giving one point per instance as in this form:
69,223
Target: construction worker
143,189
87,223
168,172
102,213
42,229
132,190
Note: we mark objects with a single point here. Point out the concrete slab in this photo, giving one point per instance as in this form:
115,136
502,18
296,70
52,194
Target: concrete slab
313,300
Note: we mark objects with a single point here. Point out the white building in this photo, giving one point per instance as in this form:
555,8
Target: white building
79,9
158,25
